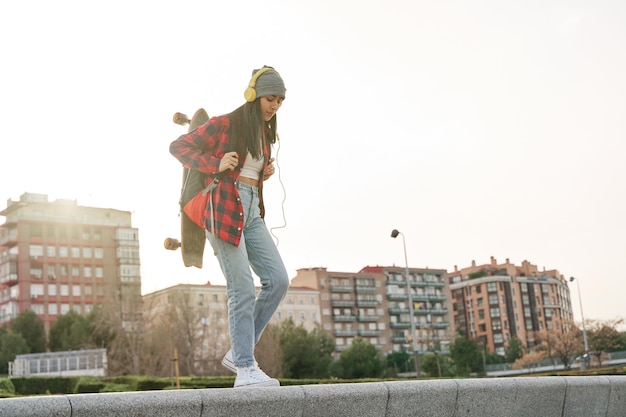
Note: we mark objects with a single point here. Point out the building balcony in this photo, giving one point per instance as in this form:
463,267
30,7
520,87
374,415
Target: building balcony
368,318
366,289
397,297
341,288
8,279
399,339
370,333
344,333
429,297
400,325
344,317
342,303
367,303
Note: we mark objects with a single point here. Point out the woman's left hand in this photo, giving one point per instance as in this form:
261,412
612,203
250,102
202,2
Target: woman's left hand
269,169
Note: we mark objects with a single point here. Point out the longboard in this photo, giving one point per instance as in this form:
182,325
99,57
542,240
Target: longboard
193,237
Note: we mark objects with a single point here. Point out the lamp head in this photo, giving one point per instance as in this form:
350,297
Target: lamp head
571,279
394,233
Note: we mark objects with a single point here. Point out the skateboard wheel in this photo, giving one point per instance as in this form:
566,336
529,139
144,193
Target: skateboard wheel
171,243
181,119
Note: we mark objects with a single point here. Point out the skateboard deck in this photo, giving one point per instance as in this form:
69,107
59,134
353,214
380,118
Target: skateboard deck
193,237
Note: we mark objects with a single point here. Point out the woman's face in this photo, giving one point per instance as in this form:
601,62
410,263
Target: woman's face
269,106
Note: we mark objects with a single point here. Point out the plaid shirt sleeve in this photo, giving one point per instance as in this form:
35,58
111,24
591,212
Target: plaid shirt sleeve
202,150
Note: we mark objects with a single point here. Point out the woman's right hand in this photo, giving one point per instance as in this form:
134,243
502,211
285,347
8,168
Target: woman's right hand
229,161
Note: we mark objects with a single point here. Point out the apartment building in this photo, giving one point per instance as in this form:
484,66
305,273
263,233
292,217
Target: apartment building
373,304
59,256
493,303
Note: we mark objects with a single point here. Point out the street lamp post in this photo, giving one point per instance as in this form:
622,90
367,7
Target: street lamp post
582,317
394,234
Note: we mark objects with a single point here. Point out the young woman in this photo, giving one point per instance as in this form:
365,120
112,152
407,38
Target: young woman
234,150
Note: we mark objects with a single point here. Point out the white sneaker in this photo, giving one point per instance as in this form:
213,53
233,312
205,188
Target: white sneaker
228,363
252,376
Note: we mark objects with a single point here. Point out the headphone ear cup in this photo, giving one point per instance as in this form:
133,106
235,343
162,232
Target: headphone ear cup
250,94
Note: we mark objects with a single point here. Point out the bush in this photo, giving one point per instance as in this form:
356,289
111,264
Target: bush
116,388
6,386
150,383
89,385
45,385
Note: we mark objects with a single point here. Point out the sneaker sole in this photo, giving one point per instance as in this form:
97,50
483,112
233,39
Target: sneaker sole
264,384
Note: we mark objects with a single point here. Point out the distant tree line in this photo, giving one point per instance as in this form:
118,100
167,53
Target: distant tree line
285,350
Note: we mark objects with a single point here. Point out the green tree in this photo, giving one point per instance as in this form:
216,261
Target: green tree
360,360
70,331
11,344
436,365
400,361
514,350
305,354
31,328
466,356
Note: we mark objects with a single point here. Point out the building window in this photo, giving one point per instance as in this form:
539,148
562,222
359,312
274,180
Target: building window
53,309
481,314
494,312
63,251
493,299
87,253
51,251
491,286
52,289
98,253
36,272
35,251
75,252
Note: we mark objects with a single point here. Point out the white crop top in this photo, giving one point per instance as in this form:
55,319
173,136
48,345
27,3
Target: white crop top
252,167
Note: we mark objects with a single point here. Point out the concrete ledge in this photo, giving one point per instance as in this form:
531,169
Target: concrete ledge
515,397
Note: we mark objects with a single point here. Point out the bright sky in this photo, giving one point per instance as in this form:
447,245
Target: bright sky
478,129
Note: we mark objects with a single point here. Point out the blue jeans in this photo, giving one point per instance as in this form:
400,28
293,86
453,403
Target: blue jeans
248,314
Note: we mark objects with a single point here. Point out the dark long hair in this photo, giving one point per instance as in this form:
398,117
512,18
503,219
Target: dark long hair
247,126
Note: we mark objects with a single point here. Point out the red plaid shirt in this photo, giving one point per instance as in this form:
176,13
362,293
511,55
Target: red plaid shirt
202,150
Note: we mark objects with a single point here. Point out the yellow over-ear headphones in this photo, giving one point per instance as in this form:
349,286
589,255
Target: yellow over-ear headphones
250,93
